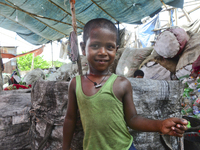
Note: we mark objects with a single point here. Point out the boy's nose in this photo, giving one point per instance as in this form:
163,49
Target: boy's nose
102,51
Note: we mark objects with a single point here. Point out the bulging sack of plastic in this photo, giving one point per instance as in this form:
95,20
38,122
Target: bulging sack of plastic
131,59
156,99
171,42
188,57
153,70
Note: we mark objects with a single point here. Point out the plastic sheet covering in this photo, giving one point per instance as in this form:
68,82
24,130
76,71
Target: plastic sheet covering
192,28
153,70
145,32
42,21
131,59
156,99
191,52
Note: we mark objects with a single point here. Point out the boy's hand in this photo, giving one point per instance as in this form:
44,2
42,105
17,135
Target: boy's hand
174,126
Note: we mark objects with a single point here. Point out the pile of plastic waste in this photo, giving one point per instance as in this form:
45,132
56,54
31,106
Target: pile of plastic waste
191,97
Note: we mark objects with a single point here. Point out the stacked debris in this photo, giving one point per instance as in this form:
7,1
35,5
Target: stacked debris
49,101
131,59
15,119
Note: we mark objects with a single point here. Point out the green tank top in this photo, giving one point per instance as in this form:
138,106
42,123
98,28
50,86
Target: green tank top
102,117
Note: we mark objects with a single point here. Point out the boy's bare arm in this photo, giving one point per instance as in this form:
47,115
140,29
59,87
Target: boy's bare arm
171,126
71,116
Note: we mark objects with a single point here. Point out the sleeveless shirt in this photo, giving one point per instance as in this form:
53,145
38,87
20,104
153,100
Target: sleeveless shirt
102,118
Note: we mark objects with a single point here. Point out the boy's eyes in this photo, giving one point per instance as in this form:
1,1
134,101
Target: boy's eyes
109,47
95,46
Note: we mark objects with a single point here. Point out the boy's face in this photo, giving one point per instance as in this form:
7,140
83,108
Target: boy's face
100,49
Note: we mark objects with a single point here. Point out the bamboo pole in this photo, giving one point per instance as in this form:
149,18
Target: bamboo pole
176,18
32,64
1,78
72,2
170,18
187,15
52,54
189,11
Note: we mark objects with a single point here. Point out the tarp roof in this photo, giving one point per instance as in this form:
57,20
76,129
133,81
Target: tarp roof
41,21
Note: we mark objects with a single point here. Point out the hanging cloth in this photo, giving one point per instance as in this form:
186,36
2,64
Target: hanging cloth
73,47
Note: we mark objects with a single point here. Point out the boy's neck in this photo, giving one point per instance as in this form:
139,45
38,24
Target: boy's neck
98,73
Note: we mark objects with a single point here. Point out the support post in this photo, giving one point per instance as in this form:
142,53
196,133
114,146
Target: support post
187,15
170,18
176,18
32,64
1,78
72,2
51,54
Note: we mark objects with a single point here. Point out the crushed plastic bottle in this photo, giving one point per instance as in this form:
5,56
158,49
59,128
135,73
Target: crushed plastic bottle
187,110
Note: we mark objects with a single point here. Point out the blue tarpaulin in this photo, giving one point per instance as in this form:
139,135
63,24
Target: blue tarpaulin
145,31
41,21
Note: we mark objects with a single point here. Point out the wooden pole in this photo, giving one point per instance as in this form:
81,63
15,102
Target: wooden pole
72,2
51,54
187,15
1,78
189,11
32,64
170,18
176,18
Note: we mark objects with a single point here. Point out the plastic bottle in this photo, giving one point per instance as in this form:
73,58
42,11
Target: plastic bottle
186,110
196,112
195,107
198,116
197,102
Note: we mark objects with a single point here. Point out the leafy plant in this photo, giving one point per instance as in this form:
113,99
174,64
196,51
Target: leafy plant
57,63
24,62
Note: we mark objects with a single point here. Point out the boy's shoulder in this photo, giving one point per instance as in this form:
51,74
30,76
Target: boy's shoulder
122,78
72,83
122,82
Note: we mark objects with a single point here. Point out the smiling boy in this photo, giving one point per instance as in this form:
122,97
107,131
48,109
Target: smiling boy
105,100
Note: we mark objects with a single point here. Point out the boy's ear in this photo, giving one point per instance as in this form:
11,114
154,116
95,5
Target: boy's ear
82,44
117,48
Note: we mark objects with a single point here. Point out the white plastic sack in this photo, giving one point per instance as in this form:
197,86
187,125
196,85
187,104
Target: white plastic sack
171,42
64,73
184,72
131,59
33,76
155,71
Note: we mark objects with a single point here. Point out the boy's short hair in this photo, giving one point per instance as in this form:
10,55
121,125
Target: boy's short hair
98,22
138,73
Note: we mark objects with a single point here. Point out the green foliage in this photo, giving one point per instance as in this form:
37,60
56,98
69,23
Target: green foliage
57,63
24,62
